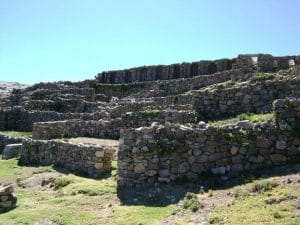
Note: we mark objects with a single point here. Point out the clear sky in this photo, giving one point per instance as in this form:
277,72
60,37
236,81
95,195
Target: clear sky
52,40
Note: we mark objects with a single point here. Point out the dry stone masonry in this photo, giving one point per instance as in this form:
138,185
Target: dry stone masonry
164,153
156,112
91,160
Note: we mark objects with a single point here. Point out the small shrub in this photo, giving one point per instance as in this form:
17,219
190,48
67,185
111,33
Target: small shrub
61,182
263,186
191,202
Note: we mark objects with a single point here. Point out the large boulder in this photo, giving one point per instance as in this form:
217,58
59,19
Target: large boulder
11,151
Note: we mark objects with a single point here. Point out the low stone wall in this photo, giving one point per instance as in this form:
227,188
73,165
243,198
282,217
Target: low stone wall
146,118
92,160
108,129
61,105
254,97
78,128
6,140
162,153
176,102
16,118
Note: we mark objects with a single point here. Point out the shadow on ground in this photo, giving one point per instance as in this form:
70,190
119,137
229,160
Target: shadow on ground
171,193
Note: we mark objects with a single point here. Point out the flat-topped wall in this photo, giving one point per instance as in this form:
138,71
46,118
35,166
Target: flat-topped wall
166,87
92,160
15,118
265,63
78,128
146,118
254,97
108,129
61,105
162,72
163,153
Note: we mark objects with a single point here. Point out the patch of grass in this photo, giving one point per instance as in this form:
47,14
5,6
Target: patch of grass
129,215
83,201
151,113
225,84
114,165
263,76
11,172
43,170
244,116
251,208
17,134
191,202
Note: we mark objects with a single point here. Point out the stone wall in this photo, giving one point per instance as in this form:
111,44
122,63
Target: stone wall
146,118
163,153
5,140
108,129
61,105
254,97
265,63
16,118
162,72
78,128
166,87
92,160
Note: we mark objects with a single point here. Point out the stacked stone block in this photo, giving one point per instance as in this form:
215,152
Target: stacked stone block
163,153
8,199
254,97
92,160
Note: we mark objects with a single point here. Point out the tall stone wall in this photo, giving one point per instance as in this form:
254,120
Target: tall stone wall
165,87
265,63
163,153
161,72
92,160
254,97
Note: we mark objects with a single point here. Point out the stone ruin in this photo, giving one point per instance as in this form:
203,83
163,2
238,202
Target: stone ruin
160,116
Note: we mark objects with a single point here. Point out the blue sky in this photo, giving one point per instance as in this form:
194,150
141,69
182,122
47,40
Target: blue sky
52,40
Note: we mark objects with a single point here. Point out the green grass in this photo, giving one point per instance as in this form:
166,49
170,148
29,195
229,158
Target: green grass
254,207
263,76
131,215
10,171
76,201
17,134
244,116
